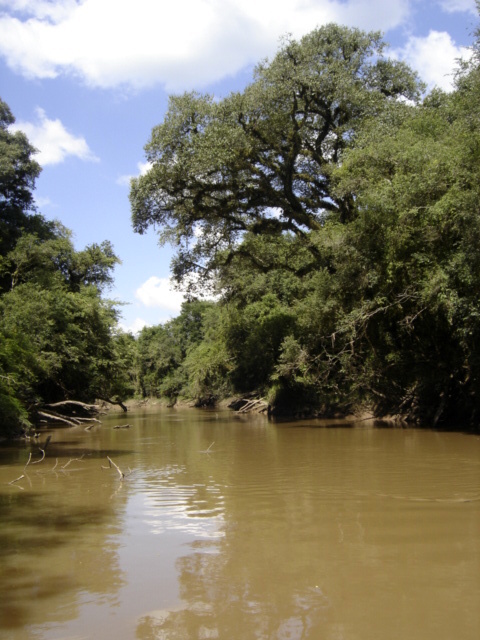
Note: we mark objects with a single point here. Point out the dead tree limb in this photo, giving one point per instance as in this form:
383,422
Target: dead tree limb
23,474
112,401
112,464
42,458
73,460
253,404
84,405
56,416
47,441
28,461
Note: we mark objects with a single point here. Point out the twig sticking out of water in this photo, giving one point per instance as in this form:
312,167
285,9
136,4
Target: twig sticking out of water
42,458
47,441
23,474
28,461
208,450
119,471
112,464
72,460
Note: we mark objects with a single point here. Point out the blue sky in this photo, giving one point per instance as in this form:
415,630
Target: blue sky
88,79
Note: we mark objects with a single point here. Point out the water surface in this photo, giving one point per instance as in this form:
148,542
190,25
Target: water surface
237,528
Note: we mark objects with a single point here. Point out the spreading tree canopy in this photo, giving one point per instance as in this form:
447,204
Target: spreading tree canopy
261,161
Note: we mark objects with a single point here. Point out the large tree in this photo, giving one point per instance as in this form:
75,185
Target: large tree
260,161
341,221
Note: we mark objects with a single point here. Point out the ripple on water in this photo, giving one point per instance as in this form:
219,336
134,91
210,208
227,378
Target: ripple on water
169,505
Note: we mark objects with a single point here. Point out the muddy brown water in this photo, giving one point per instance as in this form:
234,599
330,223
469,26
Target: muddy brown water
237,528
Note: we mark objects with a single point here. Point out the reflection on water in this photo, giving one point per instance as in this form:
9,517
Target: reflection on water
239,529
170,505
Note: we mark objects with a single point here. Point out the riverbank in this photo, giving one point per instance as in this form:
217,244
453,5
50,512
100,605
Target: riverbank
238,404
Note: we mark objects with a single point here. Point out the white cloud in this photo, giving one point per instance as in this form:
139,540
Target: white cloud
53,141
454,6
142,167
182,44
134,327
434,57
55,11
158,292
42,202
124,181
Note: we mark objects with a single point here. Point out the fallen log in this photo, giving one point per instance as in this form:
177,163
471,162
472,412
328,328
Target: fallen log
112,401
258,404
247,405
57,417
66,411
84,405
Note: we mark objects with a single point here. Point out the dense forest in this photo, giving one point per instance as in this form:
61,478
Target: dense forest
58,337
331,213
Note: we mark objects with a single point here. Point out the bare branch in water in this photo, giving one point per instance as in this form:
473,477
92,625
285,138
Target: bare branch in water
112,464
117,468
72,460
47,441
28,461
23,474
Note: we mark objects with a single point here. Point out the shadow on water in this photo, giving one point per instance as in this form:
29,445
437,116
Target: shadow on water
34,533
18,454
59,519
22,510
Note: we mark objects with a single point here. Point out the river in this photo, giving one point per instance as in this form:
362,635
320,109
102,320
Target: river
236,528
